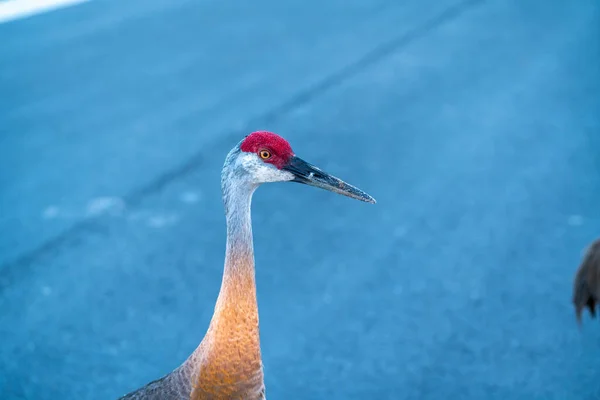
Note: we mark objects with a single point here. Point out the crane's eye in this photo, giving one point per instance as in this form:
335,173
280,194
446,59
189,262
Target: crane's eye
264,154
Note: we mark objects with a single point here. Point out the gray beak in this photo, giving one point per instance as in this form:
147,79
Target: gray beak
313,176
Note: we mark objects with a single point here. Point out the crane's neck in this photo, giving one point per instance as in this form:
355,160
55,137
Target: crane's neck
238,288
239,254
228,361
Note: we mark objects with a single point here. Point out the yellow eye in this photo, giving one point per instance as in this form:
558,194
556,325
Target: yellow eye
265,154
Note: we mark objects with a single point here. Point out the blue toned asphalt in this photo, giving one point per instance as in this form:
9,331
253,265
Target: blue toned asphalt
475,125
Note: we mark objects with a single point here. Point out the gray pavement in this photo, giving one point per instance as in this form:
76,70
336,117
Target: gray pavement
474,124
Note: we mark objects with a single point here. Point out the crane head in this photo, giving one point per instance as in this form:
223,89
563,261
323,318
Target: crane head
267,157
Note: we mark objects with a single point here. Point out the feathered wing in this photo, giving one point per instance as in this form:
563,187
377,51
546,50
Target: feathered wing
178,385
174,386
586,287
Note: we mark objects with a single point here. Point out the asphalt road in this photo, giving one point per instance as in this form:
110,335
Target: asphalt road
475,124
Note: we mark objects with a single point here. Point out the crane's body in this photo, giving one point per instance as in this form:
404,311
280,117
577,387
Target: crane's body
227,364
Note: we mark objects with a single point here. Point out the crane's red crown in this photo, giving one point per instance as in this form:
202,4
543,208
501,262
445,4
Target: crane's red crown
279,148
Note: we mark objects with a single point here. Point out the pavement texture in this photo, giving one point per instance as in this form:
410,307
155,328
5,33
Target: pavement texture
475,124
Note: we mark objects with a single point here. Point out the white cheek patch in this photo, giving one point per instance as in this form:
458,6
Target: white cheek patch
247,160
272,174
262,172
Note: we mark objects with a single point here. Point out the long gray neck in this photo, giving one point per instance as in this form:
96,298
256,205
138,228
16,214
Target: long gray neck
237,199
227,363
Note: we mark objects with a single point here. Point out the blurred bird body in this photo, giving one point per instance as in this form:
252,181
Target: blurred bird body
586,288
227,364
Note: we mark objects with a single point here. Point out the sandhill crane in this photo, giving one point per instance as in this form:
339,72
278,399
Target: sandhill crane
227,364
586,288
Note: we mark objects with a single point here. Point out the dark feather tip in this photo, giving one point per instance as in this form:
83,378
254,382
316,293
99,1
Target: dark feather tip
586,287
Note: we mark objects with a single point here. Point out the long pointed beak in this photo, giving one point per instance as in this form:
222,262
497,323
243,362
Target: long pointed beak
311,175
